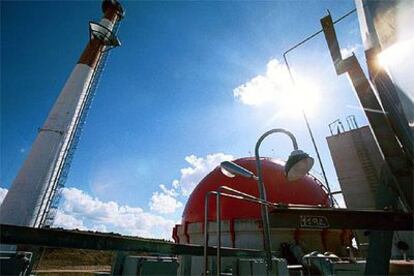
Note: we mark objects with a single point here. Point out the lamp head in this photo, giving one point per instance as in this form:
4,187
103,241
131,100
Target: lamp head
298,165
231,169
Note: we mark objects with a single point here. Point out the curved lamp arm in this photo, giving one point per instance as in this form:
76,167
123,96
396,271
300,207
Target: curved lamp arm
262,191
276,130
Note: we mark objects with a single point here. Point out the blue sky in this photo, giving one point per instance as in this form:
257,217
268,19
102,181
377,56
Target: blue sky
168,92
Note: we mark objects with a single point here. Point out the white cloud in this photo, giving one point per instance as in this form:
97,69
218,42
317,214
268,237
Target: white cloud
347,51
80,210
198,169
165,202
264,89
171,192
276,91
100,228
3,193
68,221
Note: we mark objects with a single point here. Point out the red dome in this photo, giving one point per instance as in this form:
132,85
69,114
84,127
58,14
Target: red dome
303,191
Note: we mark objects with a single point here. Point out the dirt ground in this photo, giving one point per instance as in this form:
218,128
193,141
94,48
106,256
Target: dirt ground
57,261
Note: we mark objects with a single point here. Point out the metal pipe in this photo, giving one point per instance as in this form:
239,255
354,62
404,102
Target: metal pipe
205,257
237,195
218,224
264,210
316,33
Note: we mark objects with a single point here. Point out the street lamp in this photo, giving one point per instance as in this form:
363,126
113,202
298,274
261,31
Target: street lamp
298,165
231,169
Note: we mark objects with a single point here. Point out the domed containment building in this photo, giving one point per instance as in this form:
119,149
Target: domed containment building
241,220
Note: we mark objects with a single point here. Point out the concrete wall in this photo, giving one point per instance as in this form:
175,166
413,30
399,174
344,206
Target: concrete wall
357,160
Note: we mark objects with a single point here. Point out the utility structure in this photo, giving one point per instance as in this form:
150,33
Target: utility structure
381,23
35,190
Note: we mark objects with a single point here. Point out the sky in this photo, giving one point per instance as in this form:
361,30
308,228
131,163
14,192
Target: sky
193,84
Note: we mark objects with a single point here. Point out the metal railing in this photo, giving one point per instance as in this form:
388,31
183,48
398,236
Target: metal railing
235,194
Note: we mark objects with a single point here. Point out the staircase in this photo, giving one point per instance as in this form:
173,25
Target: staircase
367,164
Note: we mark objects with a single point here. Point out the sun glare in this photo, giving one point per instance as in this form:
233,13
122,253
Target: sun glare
396,53
302,96
275,92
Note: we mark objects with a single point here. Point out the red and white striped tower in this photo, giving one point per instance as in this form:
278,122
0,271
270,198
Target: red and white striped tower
34,187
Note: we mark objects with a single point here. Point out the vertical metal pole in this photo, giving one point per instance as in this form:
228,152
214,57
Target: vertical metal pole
206,199
303,111
218,219
305,117
265,215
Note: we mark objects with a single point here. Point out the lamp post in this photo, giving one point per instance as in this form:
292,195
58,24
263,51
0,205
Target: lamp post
305,117
315,146
298,165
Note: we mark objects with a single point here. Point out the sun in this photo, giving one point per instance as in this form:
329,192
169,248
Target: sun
302,96
275,92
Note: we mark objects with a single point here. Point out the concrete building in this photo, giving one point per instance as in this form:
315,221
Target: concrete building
358,162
